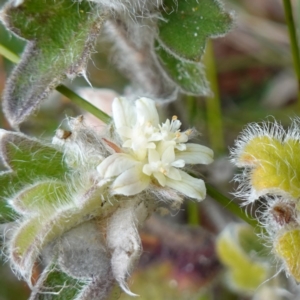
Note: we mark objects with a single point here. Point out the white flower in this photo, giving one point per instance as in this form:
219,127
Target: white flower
153,154
170,131
163,165
136,126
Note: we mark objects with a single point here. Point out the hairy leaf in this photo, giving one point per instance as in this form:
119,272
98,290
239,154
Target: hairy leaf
189,76
27,160
188,23
31,237
42,196
61,34
55,285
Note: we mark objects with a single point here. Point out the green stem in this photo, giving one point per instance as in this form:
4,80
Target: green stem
230,205
64,91
84,104
192,213
293,40
213,103
9,55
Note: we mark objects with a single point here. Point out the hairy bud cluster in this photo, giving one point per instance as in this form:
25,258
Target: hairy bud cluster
269,156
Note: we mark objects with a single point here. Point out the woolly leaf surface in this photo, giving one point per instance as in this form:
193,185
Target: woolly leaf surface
31,238
276,165
287,247
28,161
61,34
55,285
41,197
189,76
7,180
187,25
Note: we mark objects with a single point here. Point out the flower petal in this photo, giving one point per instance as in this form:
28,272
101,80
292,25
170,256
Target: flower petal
146,111
153,156
116,164
189,186
174,174
160,177
123,113
169,155
196,154
131,182
180,163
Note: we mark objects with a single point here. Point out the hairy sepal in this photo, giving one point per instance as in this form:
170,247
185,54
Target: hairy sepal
61,36
33,235
126,248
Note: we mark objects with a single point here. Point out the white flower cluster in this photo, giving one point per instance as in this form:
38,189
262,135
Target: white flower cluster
151,153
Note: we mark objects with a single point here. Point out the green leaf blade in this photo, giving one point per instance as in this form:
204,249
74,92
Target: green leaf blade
56,285
187,25
61,36
189,76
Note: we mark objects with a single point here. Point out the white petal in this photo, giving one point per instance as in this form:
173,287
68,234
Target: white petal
125,131
189,186
157,136
115,164
196,154
168,155
131,182
146,111
180,163
147,169
123,113
160,177
127,144
180,147
151,146
174,174
153,156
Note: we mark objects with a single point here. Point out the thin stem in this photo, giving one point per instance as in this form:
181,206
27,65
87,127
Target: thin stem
230,205
9,54
84,104
192,213
293,40
213,103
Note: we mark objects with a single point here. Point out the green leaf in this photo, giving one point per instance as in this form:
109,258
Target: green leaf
188,23
34,234
56,285
189,76
41,197
7,181
61,35
28,160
